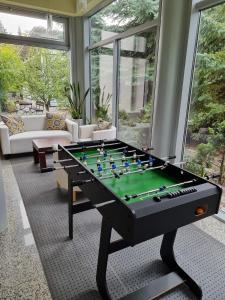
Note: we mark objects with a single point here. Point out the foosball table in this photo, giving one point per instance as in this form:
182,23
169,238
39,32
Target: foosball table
141,196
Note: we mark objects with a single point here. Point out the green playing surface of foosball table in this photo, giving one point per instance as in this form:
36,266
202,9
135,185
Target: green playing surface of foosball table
131,183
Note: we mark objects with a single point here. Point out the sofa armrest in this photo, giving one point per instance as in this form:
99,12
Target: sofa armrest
72,127
106,134
86,131
4,139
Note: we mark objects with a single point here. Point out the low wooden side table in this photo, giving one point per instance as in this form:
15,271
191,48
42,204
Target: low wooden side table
43,146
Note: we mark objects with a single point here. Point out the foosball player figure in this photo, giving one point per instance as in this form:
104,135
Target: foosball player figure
151,161
162,188
100,170
134,156
98,161
123,158
111,160
126,166
85,162
105,154
113,168
139,165
84,157
145,166
101,152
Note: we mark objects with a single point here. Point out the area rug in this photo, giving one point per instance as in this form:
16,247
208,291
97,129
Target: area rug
70,266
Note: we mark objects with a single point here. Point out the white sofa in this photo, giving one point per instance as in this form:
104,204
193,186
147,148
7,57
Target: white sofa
34,128
89,133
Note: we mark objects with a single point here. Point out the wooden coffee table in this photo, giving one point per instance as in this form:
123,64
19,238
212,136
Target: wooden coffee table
43,146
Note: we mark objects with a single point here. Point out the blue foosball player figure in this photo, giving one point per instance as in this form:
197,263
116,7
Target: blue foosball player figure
100,170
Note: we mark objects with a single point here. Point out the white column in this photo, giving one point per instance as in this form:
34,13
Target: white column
175,21
79,42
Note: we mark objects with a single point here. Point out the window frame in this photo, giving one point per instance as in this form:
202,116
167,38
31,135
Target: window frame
147,26
190,66
32,41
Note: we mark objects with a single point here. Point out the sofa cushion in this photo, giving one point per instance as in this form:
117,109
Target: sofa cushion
85,131
56,121
34,122
22,142
14,123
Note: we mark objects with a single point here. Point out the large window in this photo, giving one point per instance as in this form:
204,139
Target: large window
33,28
32,79
205,140
136,78
122,62
101,82
120,16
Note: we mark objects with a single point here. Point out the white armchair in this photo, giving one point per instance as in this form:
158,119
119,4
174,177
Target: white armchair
89,133
34,128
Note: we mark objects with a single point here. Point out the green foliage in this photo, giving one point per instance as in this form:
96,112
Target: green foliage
217,139
123,115
10,106
123,14
75,100
208,95
47,73
102,103
146,114
11,71
202,160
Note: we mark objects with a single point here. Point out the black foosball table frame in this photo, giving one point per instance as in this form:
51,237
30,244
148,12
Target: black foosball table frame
139,222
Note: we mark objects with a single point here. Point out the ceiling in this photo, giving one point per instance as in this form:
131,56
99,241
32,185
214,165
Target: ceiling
65,7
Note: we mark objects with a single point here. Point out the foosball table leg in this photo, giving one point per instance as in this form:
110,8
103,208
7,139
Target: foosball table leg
168,257
104,250
70,207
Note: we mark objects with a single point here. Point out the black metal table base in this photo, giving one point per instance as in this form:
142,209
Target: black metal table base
157,287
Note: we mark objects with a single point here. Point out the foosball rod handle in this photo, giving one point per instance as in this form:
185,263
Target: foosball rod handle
62,160
82,182
146,149
104,203
212,176
64,167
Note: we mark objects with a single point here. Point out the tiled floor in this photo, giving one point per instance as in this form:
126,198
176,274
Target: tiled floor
21,273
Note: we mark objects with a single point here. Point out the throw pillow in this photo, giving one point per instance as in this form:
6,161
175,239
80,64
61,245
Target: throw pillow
56,121
14,123
102,125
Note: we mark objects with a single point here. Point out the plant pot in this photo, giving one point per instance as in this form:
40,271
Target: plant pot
78,121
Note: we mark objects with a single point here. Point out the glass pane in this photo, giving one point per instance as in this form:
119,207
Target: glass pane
33,79
137,62
31,26
120,16
205,140
101,82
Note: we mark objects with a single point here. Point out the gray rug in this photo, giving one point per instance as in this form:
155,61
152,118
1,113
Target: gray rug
70,266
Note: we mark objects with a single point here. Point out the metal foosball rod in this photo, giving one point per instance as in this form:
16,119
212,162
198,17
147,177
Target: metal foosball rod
62,160
64,167
141,162
108,151
160,189
94,146
138,171
118,159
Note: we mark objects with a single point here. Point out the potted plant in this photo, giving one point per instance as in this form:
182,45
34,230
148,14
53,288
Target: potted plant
102,103
76,101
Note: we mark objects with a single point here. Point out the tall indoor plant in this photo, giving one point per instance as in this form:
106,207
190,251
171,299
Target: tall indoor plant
76,101
102,103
